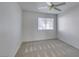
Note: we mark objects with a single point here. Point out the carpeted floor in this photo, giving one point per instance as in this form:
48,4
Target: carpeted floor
47,48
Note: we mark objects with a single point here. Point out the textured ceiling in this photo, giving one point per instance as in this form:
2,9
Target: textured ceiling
34,6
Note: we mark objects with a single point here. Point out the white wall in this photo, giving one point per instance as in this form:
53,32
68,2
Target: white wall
68,24
10,28
30,27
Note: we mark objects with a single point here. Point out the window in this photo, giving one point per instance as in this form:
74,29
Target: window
45,23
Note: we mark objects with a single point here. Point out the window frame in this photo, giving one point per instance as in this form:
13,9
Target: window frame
45,25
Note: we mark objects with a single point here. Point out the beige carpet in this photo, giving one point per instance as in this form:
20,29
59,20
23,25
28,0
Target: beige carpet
47,48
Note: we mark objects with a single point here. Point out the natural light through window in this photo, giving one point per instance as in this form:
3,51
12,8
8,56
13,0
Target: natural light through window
45,23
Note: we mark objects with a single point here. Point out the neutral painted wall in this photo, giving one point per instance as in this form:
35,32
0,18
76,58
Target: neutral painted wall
68,27
10,28
30,27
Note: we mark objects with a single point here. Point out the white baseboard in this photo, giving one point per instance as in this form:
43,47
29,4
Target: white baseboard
69,44
36,40
17,48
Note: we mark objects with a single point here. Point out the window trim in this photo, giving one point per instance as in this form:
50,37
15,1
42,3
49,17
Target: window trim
44,28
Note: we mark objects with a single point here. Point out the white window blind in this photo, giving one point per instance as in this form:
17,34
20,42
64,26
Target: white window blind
45,23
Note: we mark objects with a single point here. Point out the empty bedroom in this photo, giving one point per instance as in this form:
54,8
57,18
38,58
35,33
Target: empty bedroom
39,29
47,29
